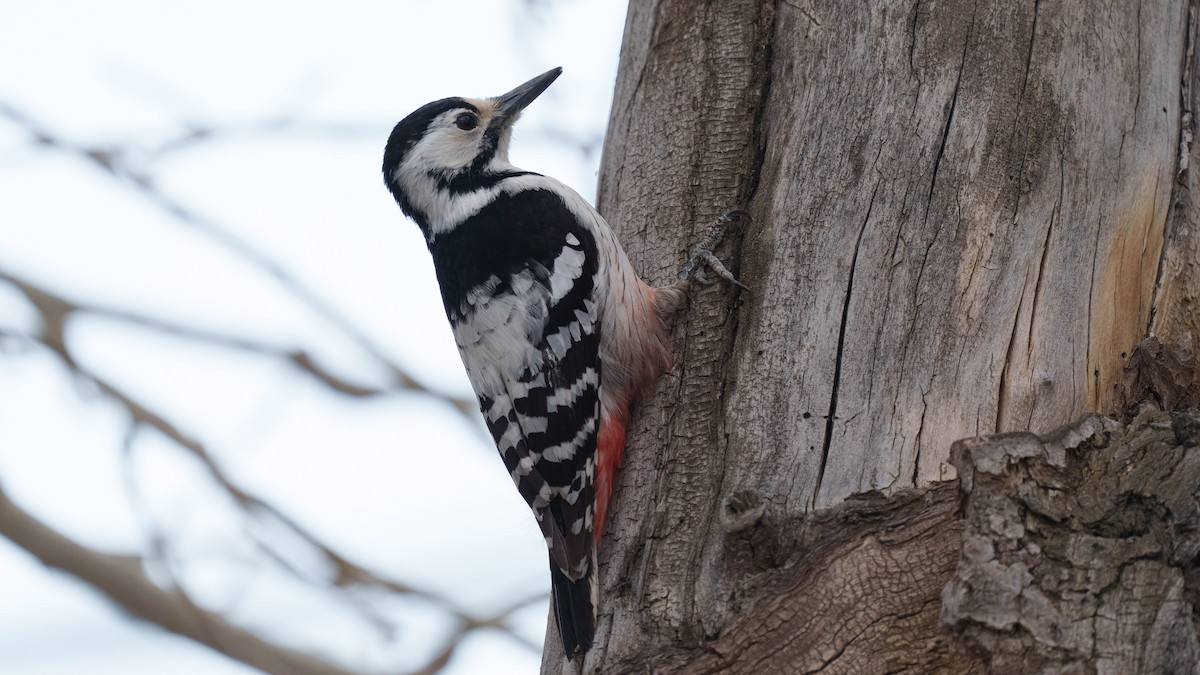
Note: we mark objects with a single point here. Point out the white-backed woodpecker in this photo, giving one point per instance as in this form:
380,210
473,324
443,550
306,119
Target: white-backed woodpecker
556,330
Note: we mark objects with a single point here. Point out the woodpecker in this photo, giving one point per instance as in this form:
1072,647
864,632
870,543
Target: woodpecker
556,330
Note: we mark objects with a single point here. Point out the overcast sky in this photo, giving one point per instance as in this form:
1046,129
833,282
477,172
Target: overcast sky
399,484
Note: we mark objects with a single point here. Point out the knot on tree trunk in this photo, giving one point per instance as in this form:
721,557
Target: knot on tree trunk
743,510
1080,547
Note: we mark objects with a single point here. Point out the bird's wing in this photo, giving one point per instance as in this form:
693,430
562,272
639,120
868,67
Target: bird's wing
529,335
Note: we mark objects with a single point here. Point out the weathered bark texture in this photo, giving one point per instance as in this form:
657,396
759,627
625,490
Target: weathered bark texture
1080,551
966,214
1176,307
1077,551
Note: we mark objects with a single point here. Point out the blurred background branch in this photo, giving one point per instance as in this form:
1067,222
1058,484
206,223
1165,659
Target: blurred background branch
121,579
287,466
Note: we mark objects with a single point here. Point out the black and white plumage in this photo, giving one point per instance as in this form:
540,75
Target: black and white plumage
556,330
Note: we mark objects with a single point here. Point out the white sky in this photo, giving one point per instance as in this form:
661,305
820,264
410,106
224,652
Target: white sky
397,484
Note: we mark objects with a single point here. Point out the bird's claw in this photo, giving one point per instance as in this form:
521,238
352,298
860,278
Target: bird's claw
702,255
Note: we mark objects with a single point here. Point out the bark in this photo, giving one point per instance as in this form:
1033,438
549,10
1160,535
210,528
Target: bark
966,215
1080,548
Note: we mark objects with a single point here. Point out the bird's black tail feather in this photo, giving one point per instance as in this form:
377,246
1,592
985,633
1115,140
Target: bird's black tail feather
575,608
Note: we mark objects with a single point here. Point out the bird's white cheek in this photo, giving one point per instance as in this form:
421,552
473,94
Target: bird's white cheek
450,151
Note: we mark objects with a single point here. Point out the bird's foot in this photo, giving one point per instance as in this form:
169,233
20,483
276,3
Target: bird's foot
702,255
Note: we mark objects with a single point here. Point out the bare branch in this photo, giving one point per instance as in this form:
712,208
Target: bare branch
120,579
55,309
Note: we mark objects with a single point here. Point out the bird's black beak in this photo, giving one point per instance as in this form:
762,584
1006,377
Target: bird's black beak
515,101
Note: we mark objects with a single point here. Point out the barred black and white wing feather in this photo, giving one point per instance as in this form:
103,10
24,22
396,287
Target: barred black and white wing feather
519,282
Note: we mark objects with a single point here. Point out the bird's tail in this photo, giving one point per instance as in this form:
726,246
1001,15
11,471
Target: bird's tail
575,607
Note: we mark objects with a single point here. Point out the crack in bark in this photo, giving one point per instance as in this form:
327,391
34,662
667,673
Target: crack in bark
1095,371
937,162
825,663
1037,284
883,616
912,42
1037,4
1187,119
917,442
1020,102
837,365
1137,101
806,13
757,133
1001,398
1145,239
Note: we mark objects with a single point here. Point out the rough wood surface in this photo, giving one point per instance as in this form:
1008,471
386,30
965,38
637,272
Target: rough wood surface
1177,297
960,211
1162,375
856,561
1081,549
1077,551
1073,552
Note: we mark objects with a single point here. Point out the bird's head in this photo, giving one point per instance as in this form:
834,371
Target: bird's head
452,146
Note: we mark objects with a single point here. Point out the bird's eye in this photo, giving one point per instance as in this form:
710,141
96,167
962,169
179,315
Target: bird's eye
466,121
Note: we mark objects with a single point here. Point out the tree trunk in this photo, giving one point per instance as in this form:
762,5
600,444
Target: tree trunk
966,215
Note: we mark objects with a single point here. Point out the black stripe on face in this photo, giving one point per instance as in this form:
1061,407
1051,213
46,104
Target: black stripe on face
488,145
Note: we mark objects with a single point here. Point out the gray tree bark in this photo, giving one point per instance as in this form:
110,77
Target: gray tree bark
966,216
